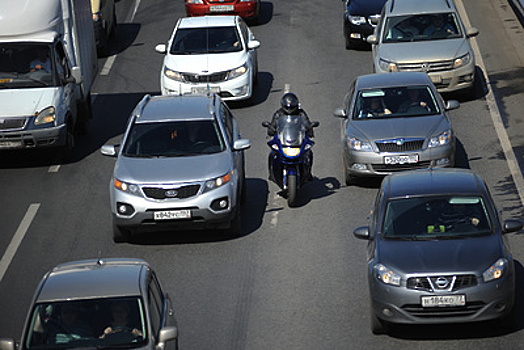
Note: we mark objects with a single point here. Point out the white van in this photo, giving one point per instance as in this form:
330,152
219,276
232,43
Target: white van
47,67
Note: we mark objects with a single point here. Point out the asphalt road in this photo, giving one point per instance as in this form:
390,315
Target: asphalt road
296,279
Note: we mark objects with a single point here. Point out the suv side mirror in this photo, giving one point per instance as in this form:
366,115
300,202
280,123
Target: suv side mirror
340,113
161,48
109,150
253,44
76,73
372,39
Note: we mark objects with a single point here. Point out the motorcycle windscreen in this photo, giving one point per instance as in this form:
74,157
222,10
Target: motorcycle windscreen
291,130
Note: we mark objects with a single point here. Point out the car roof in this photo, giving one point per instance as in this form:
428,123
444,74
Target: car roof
90,279
434,182
207,21
407,7
178,107
381,80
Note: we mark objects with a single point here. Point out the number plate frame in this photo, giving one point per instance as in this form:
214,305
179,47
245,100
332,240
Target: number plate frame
401,159
172,214
443,300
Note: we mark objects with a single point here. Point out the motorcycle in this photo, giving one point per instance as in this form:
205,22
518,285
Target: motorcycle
291,158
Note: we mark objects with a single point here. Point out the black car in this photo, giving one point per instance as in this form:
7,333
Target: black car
360,19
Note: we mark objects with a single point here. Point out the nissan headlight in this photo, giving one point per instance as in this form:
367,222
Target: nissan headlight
357,20
359,145
217,182
440,140
173,75
126,187
496,270
462,61
387,66
234,73
45,116
386,275
291,151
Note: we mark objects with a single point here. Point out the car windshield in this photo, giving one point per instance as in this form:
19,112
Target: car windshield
174,139
436,217
188,41
93,323
24,65
422,27
395,102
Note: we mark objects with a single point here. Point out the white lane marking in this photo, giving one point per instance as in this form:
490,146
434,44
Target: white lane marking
17,238
494,111
106,69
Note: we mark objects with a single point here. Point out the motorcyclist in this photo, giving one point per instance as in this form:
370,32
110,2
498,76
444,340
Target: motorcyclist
290,106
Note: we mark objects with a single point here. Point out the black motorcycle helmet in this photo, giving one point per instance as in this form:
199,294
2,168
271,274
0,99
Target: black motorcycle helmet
290,103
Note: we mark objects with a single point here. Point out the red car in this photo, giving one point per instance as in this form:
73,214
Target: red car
248,9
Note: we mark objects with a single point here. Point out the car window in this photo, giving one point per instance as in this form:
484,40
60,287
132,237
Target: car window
173,139
436,217
412,101
422,27
156,302
189,41
227,118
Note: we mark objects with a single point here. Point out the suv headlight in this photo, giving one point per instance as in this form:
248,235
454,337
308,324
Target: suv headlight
234,73
47,115
462,60
386,275
173,75
126,187
357,20
496,270
358,145
387,66
217,182
440,140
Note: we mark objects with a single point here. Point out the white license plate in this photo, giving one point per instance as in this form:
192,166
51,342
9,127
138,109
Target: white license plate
172,214
435,79
443,300
10,144
405,159
205,90
221,8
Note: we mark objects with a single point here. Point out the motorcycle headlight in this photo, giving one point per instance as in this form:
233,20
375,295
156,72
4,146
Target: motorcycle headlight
45,116
291,151
357,20
462,61
173,75
386,275
232,74
359,145
496,270
387,66
440,140
126,187
217,182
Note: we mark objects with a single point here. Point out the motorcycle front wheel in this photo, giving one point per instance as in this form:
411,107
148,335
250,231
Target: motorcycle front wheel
291,190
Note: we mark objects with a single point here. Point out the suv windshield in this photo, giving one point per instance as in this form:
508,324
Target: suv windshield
189,41
422,27
395,102
174,139
94,323
436,217
24,65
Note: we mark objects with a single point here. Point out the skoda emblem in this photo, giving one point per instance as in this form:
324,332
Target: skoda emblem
442,282
400,142
171,193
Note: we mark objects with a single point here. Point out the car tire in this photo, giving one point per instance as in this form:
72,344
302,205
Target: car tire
509,321
292,190
350,180
65,152
349,44
235,228
120,234
377,325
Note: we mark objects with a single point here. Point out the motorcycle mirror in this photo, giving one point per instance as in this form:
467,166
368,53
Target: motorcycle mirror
315,124
265,124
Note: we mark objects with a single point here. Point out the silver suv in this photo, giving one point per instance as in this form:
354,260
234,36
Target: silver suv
427,36
181,165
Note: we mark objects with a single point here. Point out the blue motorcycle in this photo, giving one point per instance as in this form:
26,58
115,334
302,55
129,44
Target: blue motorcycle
291,157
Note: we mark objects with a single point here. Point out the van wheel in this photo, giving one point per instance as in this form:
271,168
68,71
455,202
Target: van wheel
66,151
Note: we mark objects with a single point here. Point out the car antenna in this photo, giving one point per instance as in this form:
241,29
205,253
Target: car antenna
99,260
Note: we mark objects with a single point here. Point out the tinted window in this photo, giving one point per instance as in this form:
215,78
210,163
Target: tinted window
422,27
206,40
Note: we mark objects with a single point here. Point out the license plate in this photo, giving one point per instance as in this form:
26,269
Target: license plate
405,159
435,79
172,214
10,144
221,8
443,300
205,90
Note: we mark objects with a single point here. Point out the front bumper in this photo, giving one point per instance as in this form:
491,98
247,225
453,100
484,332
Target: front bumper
246,10
357,34
34,138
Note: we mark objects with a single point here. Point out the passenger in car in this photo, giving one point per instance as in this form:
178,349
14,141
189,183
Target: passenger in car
120,321
374,106
70,326
438,27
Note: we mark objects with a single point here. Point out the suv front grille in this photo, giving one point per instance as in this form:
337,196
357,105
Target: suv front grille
431,284
171,193
437,66
210,78
397,146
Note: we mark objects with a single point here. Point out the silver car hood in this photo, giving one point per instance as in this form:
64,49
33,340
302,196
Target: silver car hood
172,169
444,256
423,51
388,128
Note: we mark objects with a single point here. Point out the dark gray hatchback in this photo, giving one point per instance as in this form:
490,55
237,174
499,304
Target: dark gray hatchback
437,253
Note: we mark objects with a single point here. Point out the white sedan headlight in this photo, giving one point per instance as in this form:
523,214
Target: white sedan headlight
496,270
462,61
45,116
386,275
234,73
359,145
173,75
440,140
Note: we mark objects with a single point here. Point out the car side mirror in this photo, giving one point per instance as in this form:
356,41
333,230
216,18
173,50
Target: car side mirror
372,39
242,144
253,44
109,150
7,344
362,232
512,226
340,113
161,48
452,104
167,333
315,124
76,73
471,32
